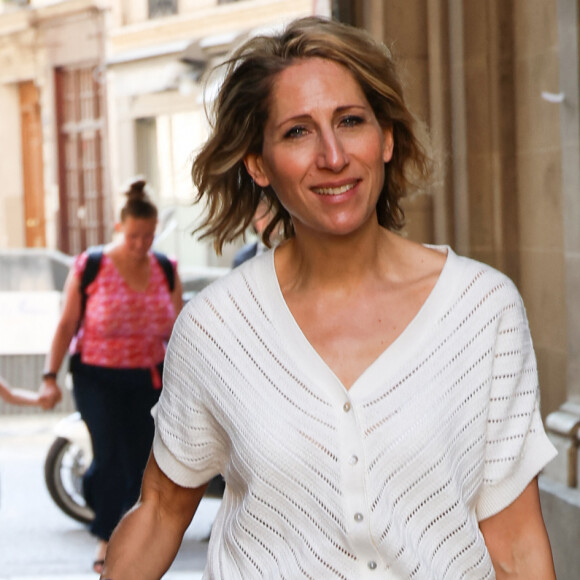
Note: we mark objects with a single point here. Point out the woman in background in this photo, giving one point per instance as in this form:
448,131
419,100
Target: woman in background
117,344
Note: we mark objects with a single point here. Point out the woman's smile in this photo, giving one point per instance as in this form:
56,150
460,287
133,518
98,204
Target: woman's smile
335,190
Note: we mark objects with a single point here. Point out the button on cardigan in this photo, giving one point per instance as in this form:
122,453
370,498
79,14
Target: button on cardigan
387,479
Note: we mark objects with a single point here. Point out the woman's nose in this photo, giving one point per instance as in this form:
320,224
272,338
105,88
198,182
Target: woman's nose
142,243
332,154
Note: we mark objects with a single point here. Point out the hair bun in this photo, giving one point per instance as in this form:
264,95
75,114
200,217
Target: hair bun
138,204
137,189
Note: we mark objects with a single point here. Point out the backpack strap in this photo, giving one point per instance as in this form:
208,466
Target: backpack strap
167,268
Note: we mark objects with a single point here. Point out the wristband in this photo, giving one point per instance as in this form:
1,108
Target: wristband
49,375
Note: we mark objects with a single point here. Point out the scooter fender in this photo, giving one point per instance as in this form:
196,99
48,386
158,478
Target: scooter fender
73,428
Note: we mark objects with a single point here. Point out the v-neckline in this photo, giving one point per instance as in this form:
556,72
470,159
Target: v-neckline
302,349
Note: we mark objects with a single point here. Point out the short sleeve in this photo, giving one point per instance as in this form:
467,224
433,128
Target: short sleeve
189,442
517,447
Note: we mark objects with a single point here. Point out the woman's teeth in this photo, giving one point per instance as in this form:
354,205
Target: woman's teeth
334,190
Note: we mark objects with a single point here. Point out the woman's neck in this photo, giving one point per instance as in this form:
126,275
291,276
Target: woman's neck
120,253
323,262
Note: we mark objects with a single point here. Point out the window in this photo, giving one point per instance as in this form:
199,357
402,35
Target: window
160,8
83,209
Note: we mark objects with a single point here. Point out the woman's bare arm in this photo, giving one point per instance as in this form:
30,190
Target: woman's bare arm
517,539
50,393
147,539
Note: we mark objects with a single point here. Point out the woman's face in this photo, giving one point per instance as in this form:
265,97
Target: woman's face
138,235
324,150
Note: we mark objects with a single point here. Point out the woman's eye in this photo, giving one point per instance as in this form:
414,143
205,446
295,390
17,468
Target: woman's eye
295,132
352,121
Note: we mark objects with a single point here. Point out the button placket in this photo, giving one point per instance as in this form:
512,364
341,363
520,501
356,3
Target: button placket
353,473
355,496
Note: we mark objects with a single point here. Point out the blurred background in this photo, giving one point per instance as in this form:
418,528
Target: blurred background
95,92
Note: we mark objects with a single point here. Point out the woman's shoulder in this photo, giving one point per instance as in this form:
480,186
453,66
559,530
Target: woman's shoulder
473,266
80,263
481,282
461,284
220,311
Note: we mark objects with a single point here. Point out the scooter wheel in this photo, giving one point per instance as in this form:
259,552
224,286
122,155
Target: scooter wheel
64,467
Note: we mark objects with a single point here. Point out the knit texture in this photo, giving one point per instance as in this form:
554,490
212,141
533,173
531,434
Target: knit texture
385,480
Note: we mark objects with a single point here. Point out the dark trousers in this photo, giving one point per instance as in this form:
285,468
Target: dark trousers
116,406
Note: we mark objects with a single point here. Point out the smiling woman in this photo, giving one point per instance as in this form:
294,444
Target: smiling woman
371,402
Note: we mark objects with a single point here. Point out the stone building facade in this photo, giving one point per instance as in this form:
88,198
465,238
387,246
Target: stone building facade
54,157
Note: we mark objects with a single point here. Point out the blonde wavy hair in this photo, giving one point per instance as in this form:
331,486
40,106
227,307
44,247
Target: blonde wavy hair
241,110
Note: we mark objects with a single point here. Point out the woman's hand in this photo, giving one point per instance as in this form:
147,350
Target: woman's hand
517,540
49,394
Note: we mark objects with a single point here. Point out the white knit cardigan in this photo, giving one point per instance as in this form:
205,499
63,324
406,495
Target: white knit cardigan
386,480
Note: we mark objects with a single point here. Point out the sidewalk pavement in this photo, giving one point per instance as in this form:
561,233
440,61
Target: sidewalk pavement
38,541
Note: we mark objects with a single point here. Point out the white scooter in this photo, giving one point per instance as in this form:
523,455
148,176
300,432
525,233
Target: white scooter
67,459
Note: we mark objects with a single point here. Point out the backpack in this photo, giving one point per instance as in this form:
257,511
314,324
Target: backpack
94,263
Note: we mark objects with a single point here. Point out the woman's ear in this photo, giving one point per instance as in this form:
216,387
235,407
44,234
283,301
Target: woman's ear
255,168
389,145
118,227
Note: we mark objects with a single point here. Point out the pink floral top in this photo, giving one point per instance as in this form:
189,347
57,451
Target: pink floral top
122,327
